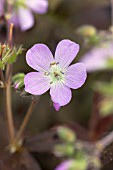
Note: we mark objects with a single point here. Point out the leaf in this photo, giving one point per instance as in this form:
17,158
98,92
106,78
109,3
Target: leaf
2,65
15,52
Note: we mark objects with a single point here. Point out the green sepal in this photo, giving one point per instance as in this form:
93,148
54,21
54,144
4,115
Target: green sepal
64,150
66,134
8,55
18,81
15,52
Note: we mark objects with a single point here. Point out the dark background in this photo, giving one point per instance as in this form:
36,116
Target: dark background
60,22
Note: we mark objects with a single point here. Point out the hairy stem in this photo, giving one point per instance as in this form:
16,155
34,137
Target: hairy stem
106,141
26,118
8,103
9,114
9,66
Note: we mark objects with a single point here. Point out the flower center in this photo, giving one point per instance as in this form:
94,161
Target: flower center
55,74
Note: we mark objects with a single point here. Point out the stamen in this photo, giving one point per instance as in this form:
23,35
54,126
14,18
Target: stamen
52,64
57,63
61,72
46,73
56,74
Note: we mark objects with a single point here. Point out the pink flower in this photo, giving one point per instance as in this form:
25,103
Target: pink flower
54,73
22,12
99,58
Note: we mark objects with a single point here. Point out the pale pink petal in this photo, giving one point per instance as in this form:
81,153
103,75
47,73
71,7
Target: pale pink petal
16,85
14,18
66,165
96,59
60,94
38,6
25,18
36,83
75,75
65,53
56,106
39,57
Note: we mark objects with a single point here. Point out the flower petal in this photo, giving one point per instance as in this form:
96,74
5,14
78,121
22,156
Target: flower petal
14,19
25,17
38,6
75,75
66,165
97,58
39,57
56,106
36,83
60,94
65,53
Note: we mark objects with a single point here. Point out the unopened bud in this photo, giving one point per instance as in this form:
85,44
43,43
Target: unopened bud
66,134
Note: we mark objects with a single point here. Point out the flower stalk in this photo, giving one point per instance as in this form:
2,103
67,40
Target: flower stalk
9,114
26,119
8,103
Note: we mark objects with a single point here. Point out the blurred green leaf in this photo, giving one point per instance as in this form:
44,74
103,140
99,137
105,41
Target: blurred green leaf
104,88
106,106
64,150
79,164
66,134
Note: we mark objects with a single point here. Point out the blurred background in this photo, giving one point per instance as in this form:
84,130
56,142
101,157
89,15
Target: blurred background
63,19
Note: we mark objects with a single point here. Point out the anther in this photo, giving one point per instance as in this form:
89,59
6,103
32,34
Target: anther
61,72
46,74
52,64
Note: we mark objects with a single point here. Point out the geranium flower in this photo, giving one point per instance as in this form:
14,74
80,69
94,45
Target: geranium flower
22,12
54,73
99,58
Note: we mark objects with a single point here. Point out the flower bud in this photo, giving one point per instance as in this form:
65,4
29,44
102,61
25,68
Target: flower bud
18,81
66,134
87,30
